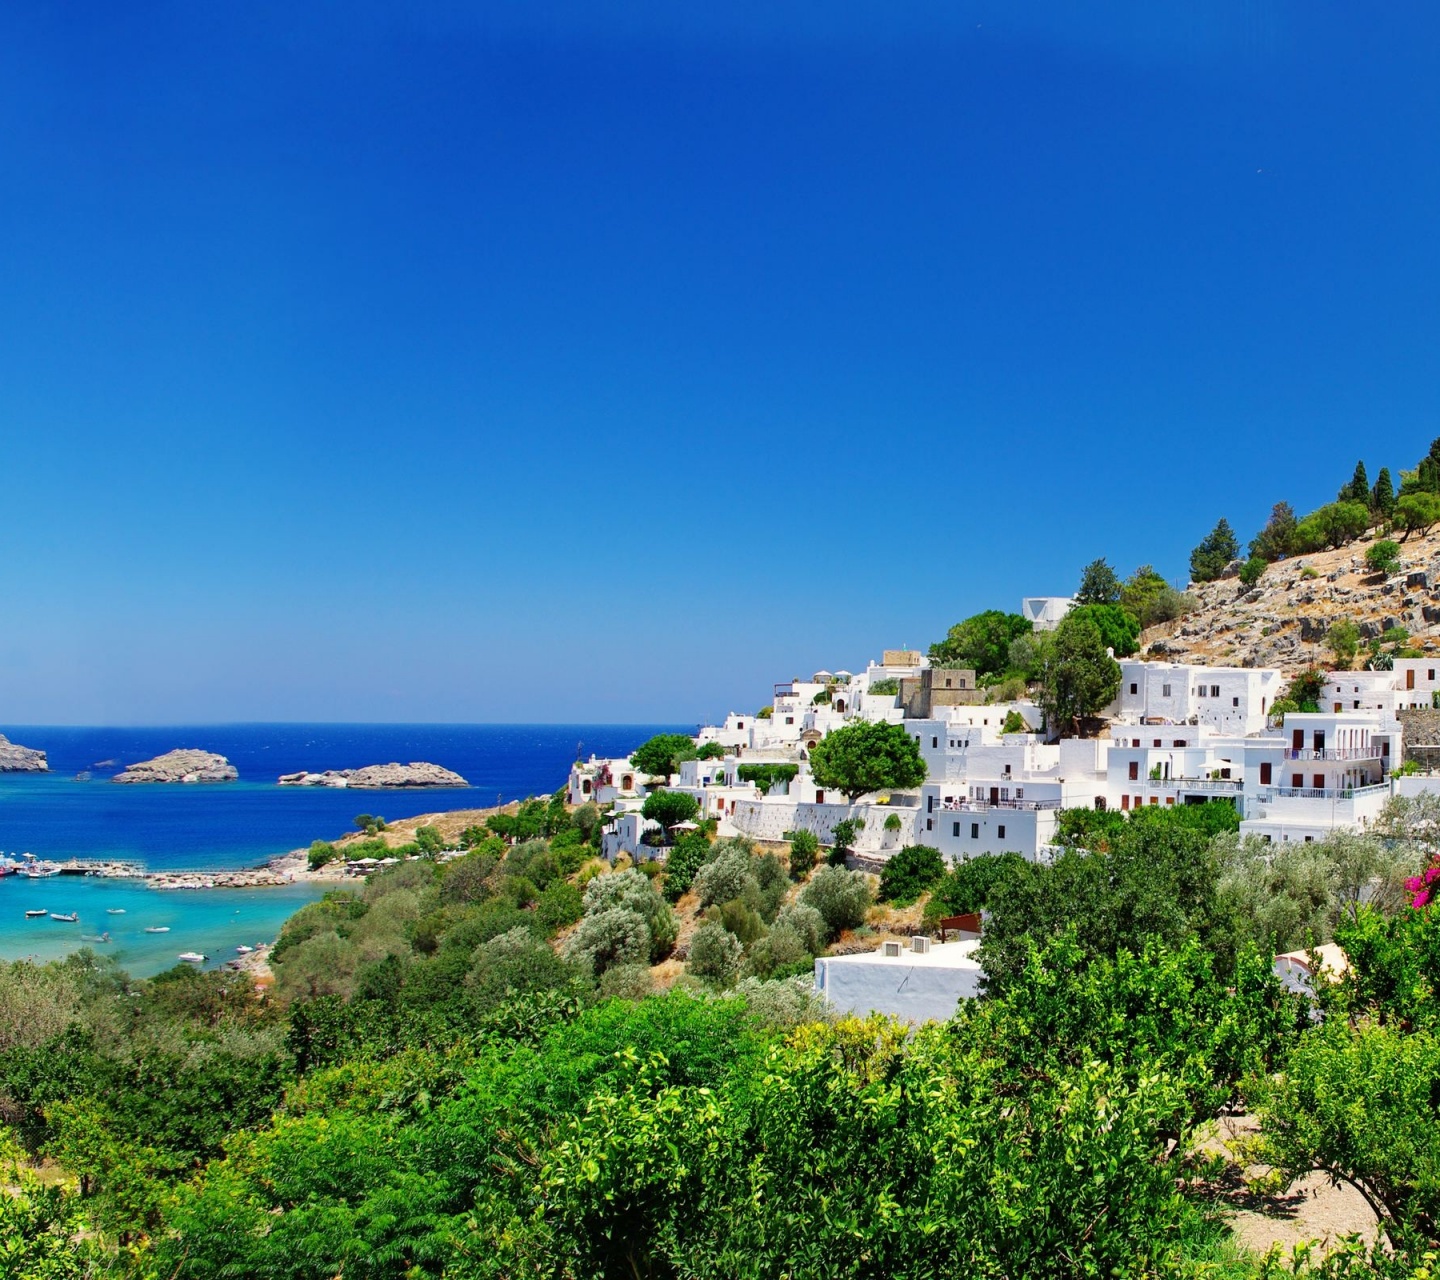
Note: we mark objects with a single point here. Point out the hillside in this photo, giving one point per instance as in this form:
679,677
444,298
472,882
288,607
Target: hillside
1281,622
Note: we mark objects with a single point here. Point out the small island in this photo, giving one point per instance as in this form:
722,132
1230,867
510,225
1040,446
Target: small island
185,764
417,773
17,759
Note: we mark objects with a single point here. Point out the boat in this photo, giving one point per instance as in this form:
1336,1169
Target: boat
30,915
94,937
114,911
70,917
192,957
244,950
157,928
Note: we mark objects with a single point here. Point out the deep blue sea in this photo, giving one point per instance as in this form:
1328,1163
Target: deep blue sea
237,824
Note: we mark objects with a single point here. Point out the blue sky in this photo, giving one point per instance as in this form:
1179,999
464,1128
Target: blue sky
574,361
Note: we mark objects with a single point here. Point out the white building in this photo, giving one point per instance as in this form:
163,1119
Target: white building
1228,699
604,781
919,982
1045,612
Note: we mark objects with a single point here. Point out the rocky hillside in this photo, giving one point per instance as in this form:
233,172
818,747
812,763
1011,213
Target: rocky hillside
1282,621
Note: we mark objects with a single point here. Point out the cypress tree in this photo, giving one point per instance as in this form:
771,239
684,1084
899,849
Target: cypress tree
1358,490
1382,496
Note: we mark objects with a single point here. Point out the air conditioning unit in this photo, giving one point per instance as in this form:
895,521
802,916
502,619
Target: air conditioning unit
920,943
890,949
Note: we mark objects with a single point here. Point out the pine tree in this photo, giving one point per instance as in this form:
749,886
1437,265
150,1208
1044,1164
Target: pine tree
1098,584
1382,496
1358,490
1208,560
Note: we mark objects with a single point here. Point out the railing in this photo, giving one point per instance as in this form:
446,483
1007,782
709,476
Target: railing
981,806
1371,752
1199,784
1322,793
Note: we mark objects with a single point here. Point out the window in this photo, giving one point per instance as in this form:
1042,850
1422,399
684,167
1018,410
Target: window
947,682
929,804
1200,691
1125,802
1357,704
1134,771
819,797
934,742
929,824
739,724
1430,675
789,719
1234,702
1309,839
1134,689
1157,742
1000,831
1178,742
1134,742
1154,800
974,831
1019,793
1214,690
956,831
1169,800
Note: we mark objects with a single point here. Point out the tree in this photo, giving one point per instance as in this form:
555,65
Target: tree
1383,556
1277,539
669,807
710,751
1138,594
689,854
1343,640
1080,677
715,954
857,759
981,643
1098,584
1358,490
321,852
909,872
1417,512
842,837
804,852
1014,723
1382,496
662,754
1218,548
1426,476
841,897
1332,526
1252,570
1119,630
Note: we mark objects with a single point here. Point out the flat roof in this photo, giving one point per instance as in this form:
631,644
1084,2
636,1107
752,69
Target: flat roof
942,955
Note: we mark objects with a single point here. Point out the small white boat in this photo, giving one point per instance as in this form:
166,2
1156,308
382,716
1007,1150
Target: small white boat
157,928
192,957
244,950
114,911
70,917
30,915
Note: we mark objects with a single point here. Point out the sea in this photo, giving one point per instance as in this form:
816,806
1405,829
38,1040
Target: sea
76,811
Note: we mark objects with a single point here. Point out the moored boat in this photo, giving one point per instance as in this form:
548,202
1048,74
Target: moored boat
244,950
157,928
192,957
31,915
68,917
114,911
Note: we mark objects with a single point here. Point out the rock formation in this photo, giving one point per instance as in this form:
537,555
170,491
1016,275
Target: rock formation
17,759
414,774
182,765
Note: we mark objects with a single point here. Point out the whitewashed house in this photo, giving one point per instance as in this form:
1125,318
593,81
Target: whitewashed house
1045,612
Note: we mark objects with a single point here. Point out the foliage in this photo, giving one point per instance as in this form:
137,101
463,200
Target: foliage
841,897
1343,640
715,954
1080,678
1139,593
1382,496
1277,539
1417,512
967,886
1099,584
1383,556
661,756
892,822
321,852
1252,570
669,807
765,713
886,686
1358,490
685,858
559,904
867,756
1014,723
804,852
710,751
765,776
981,643
909,872
1216,550
1118,629
1334,525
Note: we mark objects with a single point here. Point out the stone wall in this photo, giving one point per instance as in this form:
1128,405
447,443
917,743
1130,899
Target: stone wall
1422,736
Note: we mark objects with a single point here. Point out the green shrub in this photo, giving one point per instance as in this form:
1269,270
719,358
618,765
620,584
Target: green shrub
689,854
910,872
1383,556
765,776
726,876
841,897
321,852
1014,723
1252,570
887,687
560,904
715,954
804,852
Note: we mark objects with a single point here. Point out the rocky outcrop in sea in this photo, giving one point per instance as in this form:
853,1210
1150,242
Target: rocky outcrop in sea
181,765
414,774
17,759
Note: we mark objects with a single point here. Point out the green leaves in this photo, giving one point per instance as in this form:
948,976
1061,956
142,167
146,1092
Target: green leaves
857,759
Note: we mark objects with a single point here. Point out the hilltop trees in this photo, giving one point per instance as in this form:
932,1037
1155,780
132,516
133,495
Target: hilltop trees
981,643
1119,630
1358,490
662,754
1277,538
1417,512
669,807
863,757
1382,496
1219,548
1079,678
1098,584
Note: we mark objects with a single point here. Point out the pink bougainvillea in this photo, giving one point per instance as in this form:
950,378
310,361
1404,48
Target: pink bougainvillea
1422,887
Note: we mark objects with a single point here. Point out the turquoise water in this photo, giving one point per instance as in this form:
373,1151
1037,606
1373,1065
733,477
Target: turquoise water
211,921
230,825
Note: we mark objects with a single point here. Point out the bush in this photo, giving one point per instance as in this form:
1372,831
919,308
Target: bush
892,822
726,877
773,882
710,751
1343,639
691,852
669,807
807,924
627,982
1383,557
321,852
841,897
967,886
715,954
910,872
804,852
887,687
1014,723
611,936
513,964
631,891
1252,569
560,904
765,776
843,834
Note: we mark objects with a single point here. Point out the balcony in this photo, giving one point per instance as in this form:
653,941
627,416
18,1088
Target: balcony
1227,786
1322,793
1372,752
984,806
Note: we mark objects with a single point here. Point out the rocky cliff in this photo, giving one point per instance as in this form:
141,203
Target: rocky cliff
415,774
181,765
17,759
1282,621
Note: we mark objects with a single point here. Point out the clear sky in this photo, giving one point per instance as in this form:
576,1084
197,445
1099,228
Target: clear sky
538,361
